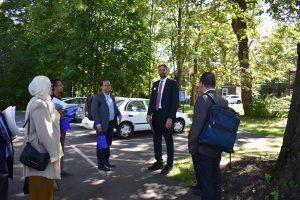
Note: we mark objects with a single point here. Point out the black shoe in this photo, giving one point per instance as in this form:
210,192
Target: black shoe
104,168
65,174
155,166
195,187
110,165
166,170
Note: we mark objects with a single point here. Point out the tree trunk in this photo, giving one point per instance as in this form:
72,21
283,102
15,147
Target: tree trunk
287,167
179,56
194,83
239,27
151,33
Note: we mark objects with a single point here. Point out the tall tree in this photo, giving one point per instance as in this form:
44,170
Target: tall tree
288,163
239,26
287,168
18,61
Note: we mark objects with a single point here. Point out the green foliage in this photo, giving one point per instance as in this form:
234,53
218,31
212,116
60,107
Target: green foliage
291,183
284,10
269,107
83,42
275,55
275,194
273,87
268,178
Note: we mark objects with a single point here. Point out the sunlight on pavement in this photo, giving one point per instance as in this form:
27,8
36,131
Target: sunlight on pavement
158,191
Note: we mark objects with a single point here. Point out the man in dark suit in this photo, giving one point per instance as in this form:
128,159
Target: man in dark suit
206,159
105,112
161,115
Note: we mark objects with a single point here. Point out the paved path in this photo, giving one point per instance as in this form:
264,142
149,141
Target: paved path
129,180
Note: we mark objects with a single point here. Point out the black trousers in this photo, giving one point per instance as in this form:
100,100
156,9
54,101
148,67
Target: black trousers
3,180
159,130
196,167
103,155
208,175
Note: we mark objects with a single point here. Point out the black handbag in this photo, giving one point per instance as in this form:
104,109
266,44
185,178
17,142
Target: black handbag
33,158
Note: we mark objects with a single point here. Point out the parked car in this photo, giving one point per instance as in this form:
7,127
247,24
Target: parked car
74,101
134,112
233,99
71,105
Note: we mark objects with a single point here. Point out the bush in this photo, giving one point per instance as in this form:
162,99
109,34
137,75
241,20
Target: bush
269,107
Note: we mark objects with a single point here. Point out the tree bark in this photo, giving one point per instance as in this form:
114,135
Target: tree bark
194,83
239,27
179,56
151,33
287,167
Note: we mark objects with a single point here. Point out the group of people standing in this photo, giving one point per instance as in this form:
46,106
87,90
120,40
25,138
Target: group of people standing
161,115
163,105
44,132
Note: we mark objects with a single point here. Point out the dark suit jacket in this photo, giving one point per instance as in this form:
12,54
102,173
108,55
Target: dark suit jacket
6,164
169,100
201,109
100,111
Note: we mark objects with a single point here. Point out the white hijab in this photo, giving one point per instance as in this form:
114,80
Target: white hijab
39,88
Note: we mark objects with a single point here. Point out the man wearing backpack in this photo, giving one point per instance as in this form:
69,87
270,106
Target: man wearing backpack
206,159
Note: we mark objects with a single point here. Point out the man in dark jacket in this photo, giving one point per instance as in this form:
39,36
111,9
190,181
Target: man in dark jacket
105,112
161,115
206,159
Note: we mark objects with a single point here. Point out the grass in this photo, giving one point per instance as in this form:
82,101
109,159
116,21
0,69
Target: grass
187,108
183,171
183,168
267,127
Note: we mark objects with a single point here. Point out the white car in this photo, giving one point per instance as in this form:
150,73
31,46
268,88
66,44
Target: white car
233,99
134,112
74,101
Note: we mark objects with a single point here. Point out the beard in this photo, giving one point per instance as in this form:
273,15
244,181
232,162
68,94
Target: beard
162,76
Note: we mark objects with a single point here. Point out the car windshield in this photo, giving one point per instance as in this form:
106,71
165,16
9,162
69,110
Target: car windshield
119,102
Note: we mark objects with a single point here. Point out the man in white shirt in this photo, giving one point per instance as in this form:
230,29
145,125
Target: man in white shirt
105,113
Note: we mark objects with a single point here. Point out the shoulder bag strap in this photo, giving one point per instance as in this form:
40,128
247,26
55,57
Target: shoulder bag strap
28,121
28,128
211,97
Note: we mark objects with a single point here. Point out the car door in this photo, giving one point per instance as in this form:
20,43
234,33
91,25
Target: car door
136,112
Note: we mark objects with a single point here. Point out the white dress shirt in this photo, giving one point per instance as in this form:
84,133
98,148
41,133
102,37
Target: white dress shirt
163,82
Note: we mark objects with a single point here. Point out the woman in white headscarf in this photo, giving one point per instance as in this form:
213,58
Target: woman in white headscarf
43,134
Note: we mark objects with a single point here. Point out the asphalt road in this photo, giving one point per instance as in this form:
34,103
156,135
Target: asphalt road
129,180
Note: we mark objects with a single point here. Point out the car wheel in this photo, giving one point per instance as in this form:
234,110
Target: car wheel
125,129
179,125
238,102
